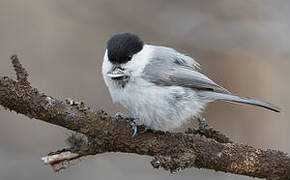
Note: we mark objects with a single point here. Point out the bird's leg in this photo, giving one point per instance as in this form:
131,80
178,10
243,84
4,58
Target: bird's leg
202,124
124,116
130,119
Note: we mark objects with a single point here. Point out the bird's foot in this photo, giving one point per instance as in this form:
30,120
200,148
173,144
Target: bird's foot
202,127
130,119
202,124
208,131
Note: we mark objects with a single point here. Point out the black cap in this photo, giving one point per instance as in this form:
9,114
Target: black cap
122,46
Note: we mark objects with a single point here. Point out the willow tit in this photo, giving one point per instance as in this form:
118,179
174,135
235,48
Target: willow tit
160,86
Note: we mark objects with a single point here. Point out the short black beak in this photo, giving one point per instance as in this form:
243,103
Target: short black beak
116,72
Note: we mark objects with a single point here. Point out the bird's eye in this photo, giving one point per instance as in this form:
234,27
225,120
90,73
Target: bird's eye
130,57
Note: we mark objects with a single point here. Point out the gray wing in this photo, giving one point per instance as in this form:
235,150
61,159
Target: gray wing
168,67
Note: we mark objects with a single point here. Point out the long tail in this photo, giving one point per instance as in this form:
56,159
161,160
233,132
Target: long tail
239,99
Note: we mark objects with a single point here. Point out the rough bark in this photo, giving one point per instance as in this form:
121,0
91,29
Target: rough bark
103,133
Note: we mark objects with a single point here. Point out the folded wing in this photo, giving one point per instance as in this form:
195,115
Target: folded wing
167,67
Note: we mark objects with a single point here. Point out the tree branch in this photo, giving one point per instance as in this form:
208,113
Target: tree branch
103,133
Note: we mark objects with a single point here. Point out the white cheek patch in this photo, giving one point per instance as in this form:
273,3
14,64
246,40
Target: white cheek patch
139,61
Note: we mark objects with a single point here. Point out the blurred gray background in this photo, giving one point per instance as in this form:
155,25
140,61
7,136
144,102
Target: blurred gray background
242,45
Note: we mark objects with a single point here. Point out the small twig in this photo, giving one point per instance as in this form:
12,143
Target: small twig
52,159
21,73
62,160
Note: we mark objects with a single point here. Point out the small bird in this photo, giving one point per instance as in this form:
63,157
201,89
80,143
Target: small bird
161,87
